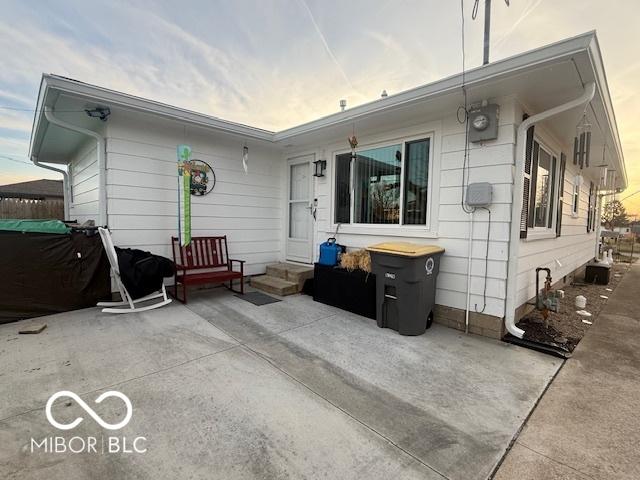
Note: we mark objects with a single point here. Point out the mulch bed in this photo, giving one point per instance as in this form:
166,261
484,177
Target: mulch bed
566,327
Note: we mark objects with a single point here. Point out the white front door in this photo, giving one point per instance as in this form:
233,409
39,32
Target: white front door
300,210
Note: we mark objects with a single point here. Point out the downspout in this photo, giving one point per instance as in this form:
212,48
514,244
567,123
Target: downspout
516,204
65,183
100,153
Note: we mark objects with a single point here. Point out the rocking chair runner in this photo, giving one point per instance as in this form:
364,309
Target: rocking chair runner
205,260
128,304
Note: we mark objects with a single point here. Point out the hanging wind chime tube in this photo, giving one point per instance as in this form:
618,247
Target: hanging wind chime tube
245,159
582,143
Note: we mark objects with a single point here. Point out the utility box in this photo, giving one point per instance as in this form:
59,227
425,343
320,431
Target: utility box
405,285
598,273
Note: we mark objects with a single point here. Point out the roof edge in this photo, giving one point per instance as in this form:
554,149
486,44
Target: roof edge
547,53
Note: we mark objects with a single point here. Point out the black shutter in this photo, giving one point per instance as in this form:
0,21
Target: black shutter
563,164
534,180
552,197
526,188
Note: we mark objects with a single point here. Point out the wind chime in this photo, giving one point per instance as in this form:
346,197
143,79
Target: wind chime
582,142
353,142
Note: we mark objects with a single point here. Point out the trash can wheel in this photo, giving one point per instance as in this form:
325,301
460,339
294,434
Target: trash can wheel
429,319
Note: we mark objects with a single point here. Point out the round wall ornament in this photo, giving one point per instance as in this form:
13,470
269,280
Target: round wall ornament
203,178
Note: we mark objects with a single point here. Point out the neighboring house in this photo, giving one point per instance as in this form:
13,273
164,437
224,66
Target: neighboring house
33,190
32,199
406,182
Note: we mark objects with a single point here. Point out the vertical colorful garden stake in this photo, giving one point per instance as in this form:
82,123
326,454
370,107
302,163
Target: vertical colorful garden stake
184,194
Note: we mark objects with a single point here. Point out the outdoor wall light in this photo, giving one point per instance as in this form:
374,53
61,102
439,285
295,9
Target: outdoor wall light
99,112
319,166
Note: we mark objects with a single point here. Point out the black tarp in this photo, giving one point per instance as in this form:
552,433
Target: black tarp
42,273
142,272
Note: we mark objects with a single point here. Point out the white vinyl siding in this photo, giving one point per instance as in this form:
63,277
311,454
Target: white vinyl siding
83,179
572,249
448,224
142,190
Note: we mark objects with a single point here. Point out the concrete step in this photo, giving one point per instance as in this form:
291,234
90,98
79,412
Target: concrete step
275,285
297,274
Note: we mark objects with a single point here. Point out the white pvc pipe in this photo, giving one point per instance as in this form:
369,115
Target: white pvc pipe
100,152
469,257
65,183
516,204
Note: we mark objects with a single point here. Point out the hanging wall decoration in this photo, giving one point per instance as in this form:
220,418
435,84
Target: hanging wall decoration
184,194
353,142
245,159
203,178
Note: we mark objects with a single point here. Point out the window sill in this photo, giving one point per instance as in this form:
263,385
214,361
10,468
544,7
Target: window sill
388,230
533,235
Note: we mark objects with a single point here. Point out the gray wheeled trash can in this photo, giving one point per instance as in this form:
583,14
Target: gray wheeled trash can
405,285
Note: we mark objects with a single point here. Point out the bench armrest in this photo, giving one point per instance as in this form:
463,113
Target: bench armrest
241,262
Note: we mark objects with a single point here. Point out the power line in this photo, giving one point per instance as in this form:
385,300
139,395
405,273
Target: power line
17,160
17,109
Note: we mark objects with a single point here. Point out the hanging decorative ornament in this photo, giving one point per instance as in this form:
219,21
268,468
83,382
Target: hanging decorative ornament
245,159
353,142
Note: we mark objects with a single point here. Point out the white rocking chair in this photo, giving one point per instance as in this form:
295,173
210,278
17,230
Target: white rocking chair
128,304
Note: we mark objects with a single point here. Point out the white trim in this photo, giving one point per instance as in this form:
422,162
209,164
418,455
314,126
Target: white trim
431,132
541,232
309,158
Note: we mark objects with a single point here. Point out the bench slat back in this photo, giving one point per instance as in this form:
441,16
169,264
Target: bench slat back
201,253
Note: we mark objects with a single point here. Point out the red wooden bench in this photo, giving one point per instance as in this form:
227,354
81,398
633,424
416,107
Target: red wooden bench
204,260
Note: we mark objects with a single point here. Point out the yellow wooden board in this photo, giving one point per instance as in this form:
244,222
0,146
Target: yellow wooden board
405,249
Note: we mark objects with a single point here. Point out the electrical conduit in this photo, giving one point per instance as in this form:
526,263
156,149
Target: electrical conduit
516,204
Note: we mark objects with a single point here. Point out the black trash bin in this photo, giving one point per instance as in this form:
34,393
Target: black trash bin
405,285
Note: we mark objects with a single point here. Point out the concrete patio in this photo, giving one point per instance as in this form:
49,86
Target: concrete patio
224,389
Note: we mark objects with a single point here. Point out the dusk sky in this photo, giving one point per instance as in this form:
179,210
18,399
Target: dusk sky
277,63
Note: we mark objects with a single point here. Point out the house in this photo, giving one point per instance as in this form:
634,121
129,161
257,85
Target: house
33,190
554,152
33,199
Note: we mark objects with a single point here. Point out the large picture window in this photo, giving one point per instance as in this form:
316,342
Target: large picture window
389,185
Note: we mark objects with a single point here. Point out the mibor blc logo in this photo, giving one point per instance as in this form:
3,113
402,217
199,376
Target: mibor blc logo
89,444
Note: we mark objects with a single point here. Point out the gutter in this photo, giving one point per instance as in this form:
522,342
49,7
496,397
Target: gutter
516,204
65,183
100,153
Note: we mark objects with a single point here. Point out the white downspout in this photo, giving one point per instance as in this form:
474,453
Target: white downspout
100,152
65,183
516,204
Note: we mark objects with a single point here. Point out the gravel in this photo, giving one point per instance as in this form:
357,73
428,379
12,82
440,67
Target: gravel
566,327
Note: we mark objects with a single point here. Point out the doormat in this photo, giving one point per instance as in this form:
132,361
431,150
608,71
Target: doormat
258,298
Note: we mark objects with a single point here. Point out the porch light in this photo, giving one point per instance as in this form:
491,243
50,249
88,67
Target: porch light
319,168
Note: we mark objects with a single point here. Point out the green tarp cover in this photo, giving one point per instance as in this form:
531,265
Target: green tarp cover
35,226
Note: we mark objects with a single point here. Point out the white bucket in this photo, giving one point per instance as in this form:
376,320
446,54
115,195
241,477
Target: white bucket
581,302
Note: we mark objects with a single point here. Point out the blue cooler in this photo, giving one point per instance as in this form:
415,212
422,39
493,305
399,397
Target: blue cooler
330,253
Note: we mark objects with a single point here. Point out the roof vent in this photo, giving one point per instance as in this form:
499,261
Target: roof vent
384,94
343,104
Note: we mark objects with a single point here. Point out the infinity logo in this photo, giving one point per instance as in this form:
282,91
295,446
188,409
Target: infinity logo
89,410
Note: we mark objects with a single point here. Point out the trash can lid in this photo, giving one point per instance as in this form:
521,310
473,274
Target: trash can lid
405,249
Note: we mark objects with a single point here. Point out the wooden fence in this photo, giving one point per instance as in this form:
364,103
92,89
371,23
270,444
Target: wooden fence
23,208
